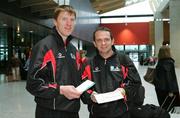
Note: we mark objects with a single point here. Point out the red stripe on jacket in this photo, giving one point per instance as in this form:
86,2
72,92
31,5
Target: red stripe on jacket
49,56
87,73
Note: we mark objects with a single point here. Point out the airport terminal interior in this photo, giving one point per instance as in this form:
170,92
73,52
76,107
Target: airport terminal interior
140,28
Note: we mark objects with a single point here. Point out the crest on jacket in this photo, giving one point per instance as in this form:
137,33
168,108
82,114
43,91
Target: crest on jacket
114,68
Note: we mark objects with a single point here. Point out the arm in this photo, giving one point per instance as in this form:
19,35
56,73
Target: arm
40,78
86,74
171,79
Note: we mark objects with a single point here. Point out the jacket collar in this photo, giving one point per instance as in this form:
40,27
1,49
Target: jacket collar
114,54
59,39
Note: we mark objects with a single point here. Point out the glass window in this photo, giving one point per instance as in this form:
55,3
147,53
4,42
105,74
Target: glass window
142,47
131,47
3,54
119,47
133,56
3,45
3,37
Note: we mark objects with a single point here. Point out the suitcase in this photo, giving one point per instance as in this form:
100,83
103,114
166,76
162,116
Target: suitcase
174,111
170,103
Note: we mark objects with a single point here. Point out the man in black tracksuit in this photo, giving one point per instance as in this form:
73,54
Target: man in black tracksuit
111,72
54,70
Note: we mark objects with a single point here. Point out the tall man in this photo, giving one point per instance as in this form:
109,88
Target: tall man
53,72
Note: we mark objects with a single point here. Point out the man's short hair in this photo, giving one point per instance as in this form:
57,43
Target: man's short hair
64,8
102,29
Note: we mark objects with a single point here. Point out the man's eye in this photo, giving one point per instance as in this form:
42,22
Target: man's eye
72,19
99,41
107,39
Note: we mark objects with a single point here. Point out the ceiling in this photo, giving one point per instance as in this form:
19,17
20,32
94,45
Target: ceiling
102,6
40,8
45,8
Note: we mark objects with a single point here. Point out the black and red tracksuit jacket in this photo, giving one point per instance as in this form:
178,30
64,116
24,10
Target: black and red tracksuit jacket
108,75
53,64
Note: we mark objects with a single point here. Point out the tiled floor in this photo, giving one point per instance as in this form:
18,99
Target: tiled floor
16,102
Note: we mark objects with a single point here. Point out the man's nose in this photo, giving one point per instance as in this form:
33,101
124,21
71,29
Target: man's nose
103,41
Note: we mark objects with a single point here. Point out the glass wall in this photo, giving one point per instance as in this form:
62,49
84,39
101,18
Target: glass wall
3,44
136,52
11,42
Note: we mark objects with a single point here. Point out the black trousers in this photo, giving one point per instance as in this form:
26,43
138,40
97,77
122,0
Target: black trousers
125,115
42,112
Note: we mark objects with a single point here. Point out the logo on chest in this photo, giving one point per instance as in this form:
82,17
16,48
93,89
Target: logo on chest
114,68
60,55
73,56
96,69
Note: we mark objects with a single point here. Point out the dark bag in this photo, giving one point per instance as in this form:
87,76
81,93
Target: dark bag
139,95
150,75
149,111
136,96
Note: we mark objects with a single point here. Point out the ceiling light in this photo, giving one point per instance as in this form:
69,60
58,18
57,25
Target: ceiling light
31,31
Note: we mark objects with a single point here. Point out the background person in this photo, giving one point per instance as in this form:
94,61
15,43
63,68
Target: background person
111,72
53,73
166,81
15,65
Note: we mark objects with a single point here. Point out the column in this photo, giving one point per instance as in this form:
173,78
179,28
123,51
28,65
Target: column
174,7
158,31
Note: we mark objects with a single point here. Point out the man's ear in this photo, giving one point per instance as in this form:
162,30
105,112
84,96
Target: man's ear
94,44
54,21
113,41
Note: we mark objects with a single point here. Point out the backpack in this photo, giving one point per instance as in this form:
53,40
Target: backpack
149,111
137,96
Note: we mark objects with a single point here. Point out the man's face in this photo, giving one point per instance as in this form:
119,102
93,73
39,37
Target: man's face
103,42
65,23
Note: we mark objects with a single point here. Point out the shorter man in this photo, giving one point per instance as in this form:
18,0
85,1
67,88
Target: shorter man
111,72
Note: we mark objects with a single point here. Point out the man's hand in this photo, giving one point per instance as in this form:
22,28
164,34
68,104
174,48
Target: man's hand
93,97
171,94
123,92
70,92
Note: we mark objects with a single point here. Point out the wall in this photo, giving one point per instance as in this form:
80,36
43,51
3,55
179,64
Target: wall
87,19
131,33
174,7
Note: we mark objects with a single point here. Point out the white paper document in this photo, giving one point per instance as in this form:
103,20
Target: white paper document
85,86
108,97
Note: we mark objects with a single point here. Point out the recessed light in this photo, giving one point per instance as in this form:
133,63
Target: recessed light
4,25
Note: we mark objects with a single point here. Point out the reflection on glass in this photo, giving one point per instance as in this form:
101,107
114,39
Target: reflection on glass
119,47
142,47
3,44
133,56
131,47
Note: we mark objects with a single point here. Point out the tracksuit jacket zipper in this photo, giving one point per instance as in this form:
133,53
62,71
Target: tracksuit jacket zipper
54,102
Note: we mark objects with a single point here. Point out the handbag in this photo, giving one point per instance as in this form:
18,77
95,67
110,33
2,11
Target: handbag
150,74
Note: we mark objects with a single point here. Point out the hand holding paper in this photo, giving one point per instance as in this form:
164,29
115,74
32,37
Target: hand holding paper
108,97
93,97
